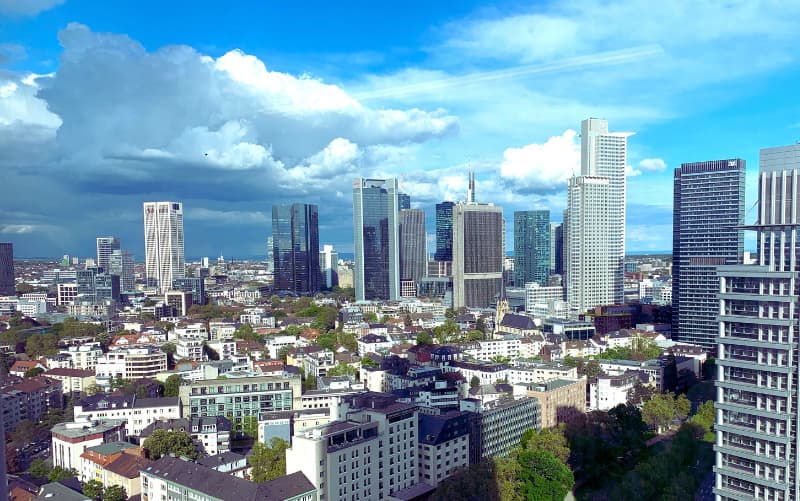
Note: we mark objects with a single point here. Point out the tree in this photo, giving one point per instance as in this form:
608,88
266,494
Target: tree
114,493
371,317
447,332
93,489
58,474
474,335
172,385
547,440
24,432
640,393
474,382
659,411
163,442
268,462
543,476
368,362
500,359
342,369
704,418
310,382
592,369
424,337
169,348
33,372
682,407
39,468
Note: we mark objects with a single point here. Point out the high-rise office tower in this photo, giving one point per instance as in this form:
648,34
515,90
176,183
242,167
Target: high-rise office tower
120,263
105,246
375,239
7,287
413,249
270,255
163,243
757,436
706,232
295,237
596,264
329,265
444,231
478,251
556,248
403,201
531,247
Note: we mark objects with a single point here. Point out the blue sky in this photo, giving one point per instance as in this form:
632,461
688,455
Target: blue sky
104,106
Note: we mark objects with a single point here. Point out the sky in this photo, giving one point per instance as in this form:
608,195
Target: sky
233,107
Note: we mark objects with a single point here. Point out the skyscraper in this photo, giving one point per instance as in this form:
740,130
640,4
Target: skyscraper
478,252
556,248
270,255
413,249
757,436
403,201
329,265
706,232
295,237
163,243
531,247
120,263
7,287
444,231
596,265
375,239
105,246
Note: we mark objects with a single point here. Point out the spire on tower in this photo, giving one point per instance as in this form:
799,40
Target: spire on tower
471,188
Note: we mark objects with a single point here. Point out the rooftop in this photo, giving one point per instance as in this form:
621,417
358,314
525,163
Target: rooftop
80,429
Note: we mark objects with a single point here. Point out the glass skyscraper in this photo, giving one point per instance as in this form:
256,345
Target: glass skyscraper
120,263
413,256
105,246
707,217
7,287
557,248
444,231
531,247
163,243
375,239
295,241
403,201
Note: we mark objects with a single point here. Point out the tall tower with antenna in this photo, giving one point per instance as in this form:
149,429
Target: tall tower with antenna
471,188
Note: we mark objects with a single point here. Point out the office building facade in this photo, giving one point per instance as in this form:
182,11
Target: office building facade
7,287
329,264
120,263
556,248
105,246
531,247
295,240
444,231
376,239
413,248
163,243
194,285
478,251
596,260
756,407
707,216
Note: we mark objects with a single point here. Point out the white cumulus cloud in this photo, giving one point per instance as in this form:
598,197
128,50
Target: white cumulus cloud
543,167
27,7
652,164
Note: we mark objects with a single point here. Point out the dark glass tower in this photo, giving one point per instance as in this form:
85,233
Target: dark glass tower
707,218
7,287
557,248
413,259
531,247
375,239
403,201
444,231
295,243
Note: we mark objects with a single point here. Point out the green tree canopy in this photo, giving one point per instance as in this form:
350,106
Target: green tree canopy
172,385
93,489
424,337
547,440
114,493
543,476
368,362
659,411
39,468
24,432
58,474
268,462
342,369
163,442
474,382
33,372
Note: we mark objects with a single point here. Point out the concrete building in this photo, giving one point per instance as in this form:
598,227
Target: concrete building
120,263
607,391
376,239
28,399
413,248
704,192
163,243
443,445
73,381
137,412
560,400
368,451
496,427
595,219
130,363
84,356
757,415
211,435
70,440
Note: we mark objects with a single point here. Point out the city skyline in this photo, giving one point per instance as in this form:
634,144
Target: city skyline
383,102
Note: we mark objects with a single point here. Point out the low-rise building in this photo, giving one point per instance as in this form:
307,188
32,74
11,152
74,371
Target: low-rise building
443,445
95,458
227,462
319,363
181,480
486,372
73,381
130,363
138,413
509,348
211,435
30,399
531,371
560,400
124,471
70,440
497,427
606,391
285,424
